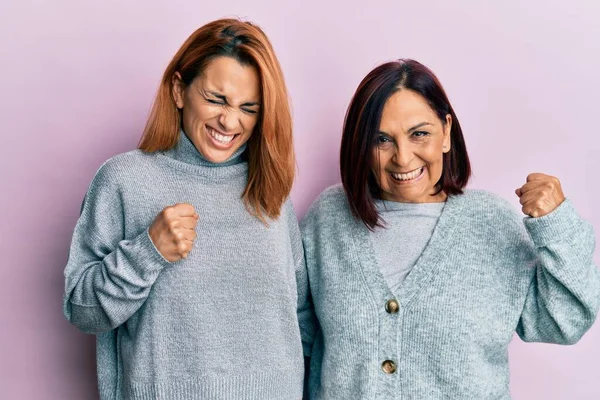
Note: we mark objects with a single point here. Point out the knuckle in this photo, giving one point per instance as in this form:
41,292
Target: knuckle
168,211
183,207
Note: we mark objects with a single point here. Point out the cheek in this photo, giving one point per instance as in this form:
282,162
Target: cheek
376,163
380,160
385,157
199,113
207,112
249,123
435,159
433,153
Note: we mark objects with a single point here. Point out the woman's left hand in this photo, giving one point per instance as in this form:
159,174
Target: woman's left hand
540,195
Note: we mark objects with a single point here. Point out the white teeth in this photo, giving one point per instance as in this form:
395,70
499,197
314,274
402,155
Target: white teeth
408,176
220,138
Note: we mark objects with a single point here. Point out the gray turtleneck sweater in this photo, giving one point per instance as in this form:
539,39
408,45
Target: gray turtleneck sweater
221,324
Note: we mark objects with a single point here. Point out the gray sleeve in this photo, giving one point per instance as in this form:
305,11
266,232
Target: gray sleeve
107,277
305,309
309,325
306,312
564,294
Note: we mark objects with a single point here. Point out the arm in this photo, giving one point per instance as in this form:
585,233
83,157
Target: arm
305,309
306,312
564,294
107,277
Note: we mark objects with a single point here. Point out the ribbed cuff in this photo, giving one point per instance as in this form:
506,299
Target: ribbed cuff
560,224
149,259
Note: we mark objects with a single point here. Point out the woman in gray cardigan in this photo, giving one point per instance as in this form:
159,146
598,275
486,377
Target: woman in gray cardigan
419,284
186,261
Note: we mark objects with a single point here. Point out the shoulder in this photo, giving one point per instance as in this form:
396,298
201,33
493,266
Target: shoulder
488,211
330,200
484,201
120,169
329,208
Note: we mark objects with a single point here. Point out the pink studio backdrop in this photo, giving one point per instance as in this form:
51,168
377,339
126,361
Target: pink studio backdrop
77,79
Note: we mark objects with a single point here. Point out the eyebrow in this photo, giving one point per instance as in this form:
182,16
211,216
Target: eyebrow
224,98
419,126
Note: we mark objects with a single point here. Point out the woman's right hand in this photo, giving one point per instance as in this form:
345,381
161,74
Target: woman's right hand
174,230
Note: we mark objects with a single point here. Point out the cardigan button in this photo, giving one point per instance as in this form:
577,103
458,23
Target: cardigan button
392,306
388,366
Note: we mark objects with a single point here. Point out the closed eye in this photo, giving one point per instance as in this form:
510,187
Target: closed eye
215,101
420,134
224,102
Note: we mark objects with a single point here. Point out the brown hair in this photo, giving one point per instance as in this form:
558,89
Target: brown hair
361,127
271,161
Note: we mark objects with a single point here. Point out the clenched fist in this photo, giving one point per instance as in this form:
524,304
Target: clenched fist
540,195
174,230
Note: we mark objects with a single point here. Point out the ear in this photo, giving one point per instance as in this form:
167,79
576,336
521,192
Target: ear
447,142
178,89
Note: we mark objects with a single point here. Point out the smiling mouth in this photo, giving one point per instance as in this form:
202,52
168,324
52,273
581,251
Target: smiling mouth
219,137
409,176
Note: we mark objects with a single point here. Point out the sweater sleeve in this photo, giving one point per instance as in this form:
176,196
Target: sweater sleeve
107,276
306,312
564,294
305,309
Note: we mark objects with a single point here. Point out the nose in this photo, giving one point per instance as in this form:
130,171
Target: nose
228,120
403,155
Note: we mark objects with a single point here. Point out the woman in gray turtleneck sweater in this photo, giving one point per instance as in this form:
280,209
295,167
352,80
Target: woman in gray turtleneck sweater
187,261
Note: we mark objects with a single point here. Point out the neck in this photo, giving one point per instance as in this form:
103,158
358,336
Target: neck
186,152
185,157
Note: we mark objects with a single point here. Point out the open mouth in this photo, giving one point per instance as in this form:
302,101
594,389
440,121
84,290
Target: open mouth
408,176
220,138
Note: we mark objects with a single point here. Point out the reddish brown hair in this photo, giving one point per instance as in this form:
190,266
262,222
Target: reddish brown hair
361,128
271,162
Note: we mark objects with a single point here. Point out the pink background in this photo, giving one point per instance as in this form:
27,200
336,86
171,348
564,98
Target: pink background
77,79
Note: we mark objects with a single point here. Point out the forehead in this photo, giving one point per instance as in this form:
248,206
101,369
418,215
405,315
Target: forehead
232,79
406,108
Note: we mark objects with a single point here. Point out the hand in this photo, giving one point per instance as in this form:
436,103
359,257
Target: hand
174,230
540,195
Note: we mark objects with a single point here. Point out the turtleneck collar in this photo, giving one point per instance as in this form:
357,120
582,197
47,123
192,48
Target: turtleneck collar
185,156
186,152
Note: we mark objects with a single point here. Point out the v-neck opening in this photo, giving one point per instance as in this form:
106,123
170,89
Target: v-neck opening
423,269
